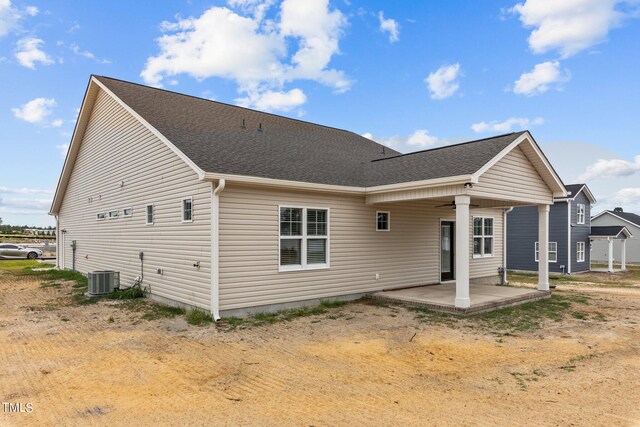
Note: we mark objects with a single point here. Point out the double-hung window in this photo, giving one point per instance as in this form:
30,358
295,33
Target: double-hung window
482,237
383,221
553,252
580,215
580,252
304,238
149,215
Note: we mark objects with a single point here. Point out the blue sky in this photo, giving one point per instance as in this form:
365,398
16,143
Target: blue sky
412,75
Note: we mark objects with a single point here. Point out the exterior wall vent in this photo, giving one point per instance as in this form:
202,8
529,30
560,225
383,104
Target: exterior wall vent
103,282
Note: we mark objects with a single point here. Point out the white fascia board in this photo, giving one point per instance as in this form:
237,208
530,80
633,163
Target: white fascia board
245,179
153,130
529,139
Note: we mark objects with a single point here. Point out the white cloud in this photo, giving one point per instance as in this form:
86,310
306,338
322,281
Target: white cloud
9,17
389,26
24,190
63,148
274,101
443,82
35,111
32,10
28,53
57,123
418,139
35,204
628,199
507,125
568,26
539,79
252,50
85,53
614,168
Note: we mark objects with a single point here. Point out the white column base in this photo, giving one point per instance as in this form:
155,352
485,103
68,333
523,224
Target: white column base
463,302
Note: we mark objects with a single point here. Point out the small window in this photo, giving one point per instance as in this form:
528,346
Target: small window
580,252
127,212
581,210
187,209
304,235
149,214
113,214
383,221
482,237
553,252
100,216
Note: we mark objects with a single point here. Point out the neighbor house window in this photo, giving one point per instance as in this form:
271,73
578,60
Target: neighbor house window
580,252
580,214
187,209
101,216
482,237
127,212
149,214
383,221
304,238
113,214
553,252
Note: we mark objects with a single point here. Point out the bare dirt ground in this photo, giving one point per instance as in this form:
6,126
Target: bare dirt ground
359,364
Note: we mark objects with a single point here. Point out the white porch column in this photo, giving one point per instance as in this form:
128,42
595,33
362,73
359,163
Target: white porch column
462,251
543,247
610,255
623,255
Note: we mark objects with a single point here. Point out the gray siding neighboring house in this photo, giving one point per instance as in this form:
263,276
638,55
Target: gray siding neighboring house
280,211
566,231
631,221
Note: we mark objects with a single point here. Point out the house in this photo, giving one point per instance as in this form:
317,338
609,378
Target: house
234,210
622,226
569,231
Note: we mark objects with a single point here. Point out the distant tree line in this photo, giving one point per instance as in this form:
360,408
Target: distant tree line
18,229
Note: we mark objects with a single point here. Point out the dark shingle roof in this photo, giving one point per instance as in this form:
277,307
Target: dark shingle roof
607,230
573,189
631,217
211,134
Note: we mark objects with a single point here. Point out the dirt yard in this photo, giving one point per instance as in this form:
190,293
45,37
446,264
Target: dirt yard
572,360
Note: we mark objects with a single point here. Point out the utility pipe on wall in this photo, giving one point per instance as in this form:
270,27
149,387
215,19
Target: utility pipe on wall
215,248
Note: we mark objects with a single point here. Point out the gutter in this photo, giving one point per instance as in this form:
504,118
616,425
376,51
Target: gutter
504,243
215,248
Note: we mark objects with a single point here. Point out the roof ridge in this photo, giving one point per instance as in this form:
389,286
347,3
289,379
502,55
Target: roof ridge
231,105
450,145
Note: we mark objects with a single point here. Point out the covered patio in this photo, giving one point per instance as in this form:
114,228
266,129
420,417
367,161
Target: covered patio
611,234
441,297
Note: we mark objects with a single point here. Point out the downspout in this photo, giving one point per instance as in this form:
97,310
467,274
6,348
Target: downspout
569,236
504,244
215,248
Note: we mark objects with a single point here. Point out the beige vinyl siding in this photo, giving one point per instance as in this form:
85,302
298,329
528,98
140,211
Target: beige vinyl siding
121,164
513,178
408,254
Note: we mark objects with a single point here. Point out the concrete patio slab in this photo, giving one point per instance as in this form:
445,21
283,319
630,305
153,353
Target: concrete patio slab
442,297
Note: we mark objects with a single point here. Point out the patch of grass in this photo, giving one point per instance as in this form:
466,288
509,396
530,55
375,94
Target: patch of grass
20,264
45,285
425,315
528,316
160,311
131,293
579,315
198,317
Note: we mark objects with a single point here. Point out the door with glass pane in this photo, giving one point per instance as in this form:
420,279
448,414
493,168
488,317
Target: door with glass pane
446,250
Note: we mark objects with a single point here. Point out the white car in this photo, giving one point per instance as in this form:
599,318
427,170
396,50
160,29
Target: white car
9,250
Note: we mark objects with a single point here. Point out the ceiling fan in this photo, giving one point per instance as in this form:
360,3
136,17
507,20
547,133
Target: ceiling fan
452,205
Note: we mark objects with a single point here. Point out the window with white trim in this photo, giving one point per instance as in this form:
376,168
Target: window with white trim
101,216
383,221
482,237
187,209
113,214
580,252
553,252
304,238
149,214
581,211
127,212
